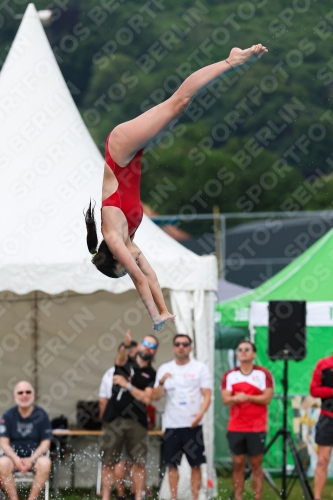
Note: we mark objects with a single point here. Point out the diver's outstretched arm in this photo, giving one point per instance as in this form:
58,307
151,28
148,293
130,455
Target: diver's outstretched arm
156,292
124,257
147,129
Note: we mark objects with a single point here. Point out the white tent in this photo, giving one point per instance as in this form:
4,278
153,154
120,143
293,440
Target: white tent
62,319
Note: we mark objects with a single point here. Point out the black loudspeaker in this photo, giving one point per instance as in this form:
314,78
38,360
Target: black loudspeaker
287,330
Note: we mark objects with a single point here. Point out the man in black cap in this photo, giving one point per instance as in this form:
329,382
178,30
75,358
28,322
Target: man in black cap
125,416
105,393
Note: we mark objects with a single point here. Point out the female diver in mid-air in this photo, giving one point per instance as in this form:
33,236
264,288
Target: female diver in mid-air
121,206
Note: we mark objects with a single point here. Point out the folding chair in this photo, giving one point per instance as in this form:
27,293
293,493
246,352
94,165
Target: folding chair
99,475
28,478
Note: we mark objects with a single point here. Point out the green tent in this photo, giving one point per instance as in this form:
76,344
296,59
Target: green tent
309,278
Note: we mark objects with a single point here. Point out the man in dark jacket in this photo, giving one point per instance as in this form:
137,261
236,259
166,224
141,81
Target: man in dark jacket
25,438
125,416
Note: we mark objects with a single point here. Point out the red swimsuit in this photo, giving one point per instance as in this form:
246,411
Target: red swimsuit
127,196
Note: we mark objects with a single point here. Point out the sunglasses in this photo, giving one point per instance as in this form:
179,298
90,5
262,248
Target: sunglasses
184,344
23,392
149,344
241,349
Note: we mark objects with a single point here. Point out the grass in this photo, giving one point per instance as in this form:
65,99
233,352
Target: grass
224,490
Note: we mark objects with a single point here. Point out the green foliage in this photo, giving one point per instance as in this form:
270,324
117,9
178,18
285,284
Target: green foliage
282,98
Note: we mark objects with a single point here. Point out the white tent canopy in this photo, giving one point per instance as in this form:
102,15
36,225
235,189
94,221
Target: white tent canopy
50,167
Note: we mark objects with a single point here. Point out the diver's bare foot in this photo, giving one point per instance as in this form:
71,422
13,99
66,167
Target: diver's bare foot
240,58
161,319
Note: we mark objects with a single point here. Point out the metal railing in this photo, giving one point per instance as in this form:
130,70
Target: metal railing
220,221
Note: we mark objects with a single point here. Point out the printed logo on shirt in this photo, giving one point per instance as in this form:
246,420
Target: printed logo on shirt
145,375
189,375
24,429
3,428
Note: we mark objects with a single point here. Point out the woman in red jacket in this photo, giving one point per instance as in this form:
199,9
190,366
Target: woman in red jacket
122,211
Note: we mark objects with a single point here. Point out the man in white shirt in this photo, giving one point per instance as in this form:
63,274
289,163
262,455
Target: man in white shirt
187,386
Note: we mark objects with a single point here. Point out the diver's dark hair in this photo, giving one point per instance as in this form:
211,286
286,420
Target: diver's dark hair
92,240
102,257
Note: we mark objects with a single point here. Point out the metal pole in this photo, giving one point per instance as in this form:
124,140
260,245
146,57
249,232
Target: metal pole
285,430
35,344
217,237
249,215
223,245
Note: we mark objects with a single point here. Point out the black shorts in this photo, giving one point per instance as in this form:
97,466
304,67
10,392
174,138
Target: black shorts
186,440
246,443
324,431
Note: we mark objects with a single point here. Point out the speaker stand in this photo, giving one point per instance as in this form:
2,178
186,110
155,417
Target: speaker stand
287,442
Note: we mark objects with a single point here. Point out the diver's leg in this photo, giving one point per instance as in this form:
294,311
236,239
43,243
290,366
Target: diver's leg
147,129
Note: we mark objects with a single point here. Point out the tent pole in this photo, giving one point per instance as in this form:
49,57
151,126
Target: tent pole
35,344
217,236
223,245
